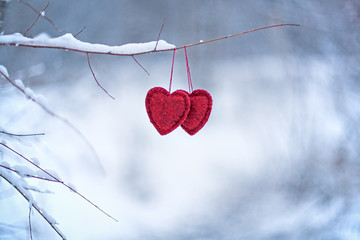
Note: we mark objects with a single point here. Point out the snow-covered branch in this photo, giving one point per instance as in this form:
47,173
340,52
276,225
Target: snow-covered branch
39,100
55,177
21,186
70,43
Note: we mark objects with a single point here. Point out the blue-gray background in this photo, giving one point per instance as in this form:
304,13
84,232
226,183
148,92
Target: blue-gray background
278,159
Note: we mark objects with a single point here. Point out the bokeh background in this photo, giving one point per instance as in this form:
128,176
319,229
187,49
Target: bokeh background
278,158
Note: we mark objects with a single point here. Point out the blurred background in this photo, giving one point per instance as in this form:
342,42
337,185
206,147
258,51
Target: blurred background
278,158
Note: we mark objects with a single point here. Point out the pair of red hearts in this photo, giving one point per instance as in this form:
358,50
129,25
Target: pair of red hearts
168,111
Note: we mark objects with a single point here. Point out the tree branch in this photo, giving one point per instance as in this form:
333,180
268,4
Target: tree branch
30,228
97,82
69,43
45,17
28,175
27,196
141,65
57,180
37,18
51,113
158,38
22,135
80,31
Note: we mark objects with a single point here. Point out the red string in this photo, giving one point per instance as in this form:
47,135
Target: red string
188,72
172,69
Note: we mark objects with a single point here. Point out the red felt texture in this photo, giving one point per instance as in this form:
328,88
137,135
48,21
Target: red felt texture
167,111
200,108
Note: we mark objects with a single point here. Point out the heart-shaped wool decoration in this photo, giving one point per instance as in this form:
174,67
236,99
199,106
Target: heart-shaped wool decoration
167,111
200,108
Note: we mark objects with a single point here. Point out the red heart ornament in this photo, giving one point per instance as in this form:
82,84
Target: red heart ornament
167,111
200,108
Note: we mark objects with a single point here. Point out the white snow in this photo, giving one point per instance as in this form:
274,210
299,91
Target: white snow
21,185
72,186
35,160
53,173
23,170
4,70
41,100
6,164
19,83
30,93
68,41
48,217
42,36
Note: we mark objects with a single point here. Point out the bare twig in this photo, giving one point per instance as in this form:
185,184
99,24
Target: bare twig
28,175
57,180
140,65
45,17
22,135
88,59
157,41
37,18
29,161
80,31
37,208
51,113
94,51
30,230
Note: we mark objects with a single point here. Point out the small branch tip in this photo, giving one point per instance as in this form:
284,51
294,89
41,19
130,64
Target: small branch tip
92,71
37,18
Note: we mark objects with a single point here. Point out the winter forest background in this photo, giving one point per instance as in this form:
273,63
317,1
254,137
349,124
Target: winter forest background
278,158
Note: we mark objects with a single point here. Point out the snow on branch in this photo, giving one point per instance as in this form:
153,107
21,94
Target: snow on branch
39,100
20,185
53,176
70,43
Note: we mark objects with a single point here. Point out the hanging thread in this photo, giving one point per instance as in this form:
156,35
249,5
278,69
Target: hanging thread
172,69
188,72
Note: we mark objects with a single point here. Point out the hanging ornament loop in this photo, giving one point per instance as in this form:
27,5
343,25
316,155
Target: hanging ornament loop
172,70
188,72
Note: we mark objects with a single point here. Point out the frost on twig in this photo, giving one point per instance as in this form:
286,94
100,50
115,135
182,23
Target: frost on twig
56,178
18,182
39,100
21,186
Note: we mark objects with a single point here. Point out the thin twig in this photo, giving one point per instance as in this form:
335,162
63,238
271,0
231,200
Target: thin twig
36,207
80,31
28,175
37,18
88,59
237,34
57,180
64,120
30,208
14,43
29,161
157,41
45,17
23,135
140,65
